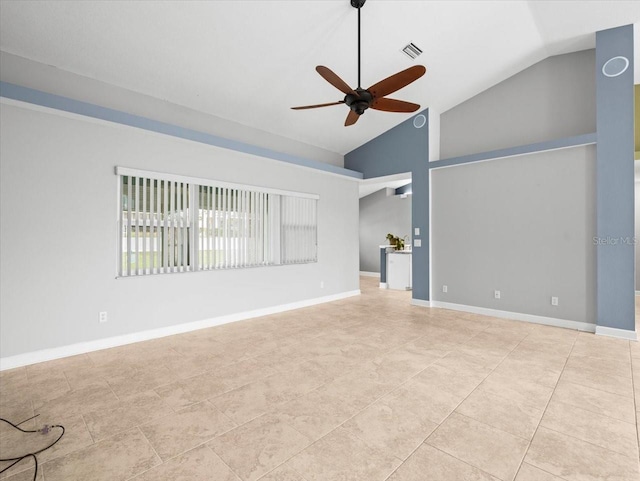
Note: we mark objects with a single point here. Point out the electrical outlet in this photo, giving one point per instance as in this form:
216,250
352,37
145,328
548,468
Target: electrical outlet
445,288
496,294
321,284
102,317
554,301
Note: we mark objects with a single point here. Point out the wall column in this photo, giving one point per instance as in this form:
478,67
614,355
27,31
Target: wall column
615,183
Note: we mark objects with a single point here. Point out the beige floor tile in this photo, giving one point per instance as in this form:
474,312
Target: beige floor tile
185,392
114,459
603,431
547,345
607,366
26,475
622,386
316,413
140,379
186,429
502,413
595,401
528,370
371,370
518,390
255,399
361,386
15,443
464,363
283,473
199,464
340,456
16,413
531,473
454,381
86,399
489,449
488,357
591,345
76,436
259,446
406,362
429,463
126,413
396,424
576,460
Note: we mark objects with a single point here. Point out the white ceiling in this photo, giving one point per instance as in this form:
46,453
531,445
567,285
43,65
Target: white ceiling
249,61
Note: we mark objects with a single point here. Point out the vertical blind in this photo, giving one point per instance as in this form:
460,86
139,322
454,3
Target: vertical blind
178,224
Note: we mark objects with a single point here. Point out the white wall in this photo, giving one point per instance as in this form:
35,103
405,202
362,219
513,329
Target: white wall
522,225
58,233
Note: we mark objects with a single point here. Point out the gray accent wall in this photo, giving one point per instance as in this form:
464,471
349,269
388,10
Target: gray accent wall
522,225
380,214
58,233
552,99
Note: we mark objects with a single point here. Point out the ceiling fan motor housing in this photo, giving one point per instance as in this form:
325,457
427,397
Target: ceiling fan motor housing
359,103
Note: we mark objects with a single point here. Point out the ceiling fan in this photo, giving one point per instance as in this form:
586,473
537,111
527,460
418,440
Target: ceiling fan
358,100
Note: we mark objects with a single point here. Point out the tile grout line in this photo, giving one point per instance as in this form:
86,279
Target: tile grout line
546,407
458,405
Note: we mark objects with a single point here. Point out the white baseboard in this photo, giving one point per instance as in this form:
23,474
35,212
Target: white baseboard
421,303
518,316
614,332
369,274
383,285
25,359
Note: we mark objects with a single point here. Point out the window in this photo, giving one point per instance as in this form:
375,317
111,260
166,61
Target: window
171,224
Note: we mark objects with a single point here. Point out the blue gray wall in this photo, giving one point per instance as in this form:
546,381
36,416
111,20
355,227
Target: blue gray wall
615,183
404,148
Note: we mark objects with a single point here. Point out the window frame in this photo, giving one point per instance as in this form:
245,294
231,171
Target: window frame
193,185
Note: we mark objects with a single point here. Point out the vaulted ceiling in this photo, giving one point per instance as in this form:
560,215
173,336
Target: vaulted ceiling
249,61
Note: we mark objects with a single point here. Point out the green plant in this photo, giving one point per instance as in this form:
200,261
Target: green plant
396,242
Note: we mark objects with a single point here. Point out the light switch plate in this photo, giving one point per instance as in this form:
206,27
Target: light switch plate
417,243
417,231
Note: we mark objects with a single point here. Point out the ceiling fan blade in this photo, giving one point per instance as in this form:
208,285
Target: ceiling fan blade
334,80
352,118
397,81
393,105
318,105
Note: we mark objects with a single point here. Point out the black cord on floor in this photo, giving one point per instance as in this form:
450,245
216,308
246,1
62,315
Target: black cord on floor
43,430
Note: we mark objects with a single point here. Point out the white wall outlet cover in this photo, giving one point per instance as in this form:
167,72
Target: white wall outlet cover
554,301
417,243
496,294
445,288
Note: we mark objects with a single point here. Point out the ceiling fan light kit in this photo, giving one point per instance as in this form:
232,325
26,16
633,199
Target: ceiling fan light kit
358,100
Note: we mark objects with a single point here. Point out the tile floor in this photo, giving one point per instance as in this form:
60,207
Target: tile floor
367,388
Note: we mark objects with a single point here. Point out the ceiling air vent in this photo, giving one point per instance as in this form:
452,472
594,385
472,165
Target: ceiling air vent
412,50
